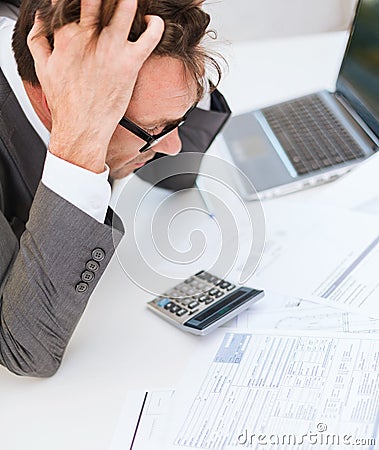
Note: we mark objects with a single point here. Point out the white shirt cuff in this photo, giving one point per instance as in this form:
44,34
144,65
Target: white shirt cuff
86,190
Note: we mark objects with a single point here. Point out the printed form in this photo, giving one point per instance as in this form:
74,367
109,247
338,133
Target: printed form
269,390
308,389
286,313
328,249
333,258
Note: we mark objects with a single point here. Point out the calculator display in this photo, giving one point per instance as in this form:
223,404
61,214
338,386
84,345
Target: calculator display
221,308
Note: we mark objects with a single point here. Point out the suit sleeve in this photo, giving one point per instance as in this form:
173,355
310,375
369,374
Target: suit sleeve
47,280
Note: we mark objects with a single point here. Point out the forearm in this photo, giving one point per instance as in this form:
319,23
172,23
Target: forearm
41,304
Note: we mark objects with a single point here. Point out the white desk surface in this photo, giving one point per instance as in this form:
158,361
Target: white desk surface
119,344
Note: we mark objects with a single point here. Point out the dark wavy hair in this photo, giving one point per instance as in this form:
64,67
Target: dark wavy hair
185,26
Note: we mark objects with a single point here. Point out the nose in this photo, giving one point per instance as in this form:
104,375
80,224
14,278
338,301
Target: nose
169,145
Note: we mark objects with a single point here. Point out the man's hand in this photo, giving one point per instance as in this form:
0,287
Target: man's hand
88,79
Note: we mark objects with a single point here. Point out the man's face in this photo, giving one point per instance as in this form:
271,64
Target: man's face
163,93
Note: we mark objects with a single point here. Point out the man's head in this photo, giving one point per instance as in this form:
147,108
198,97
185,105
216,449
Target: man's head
170,81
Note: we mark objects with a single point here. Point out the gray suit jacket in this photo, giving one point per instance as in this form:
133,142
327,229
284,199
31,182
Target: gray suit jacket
49,249
51,253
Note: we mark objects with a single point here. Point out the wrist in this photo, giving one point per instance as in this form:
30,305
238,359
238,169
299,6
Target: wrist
89,155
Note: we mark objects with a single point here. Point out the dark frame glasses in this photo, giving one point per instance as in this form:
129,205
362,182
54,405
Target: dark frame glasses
152,139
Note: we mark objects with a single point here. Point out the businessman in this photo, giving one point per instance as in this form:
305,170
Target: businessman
92,89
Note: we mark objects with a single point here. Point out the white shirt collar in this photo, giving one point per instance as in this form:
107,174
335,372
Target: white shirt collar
9,67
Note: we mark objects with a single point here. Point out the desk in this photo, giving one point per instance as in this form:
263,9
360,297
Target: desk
119,344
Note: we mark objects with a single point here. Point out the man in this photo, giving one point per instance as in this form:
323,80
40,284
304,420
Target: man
100,83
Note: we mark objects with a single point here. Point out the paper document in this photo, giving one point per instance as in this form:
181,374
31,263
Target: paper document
254,389
297,314
333,257
357,190
143,421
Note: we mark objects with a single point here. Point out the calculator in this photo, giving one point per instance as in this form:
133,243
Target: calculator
203,302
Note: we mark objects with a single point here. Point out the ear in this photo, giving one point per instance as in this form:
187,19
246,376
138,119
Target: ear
46,110
44,101
39,103
44,113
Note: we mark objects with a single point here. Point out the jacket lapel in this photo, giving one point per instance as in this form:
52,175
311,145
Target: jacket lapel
22,155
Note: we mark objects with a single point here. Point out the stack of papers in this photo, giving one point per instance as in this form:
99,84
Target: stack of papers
300,369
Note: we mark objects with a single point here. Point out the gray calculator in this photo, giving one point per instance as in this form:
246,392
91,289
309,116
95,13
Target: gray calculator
203,302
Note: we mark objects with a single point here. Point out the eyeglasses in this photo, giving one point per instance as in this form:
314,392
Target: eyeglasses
153,139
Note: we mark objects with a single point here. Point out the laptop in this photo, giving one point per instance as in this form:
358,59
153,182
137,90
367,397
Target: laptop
314,139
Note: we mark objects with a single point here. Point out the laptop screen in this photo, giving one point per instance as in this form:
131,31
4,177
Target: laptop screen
358,80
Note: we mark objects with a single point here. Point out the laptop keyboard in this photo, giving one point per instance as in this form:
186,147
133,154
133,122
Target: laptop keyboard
311,135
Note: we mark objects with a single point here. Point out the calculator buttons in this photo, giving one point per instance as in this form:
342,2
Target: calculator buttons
186,301
208,277
175,308
213,280
193,299
223,284
172,293
162,303
183,288
193,304
216,293
192,291
202,275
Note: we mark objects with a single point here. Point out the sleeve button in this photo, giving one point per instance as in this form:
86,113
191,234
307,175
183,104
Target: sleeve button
87,276
98,254
81,287
92,265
